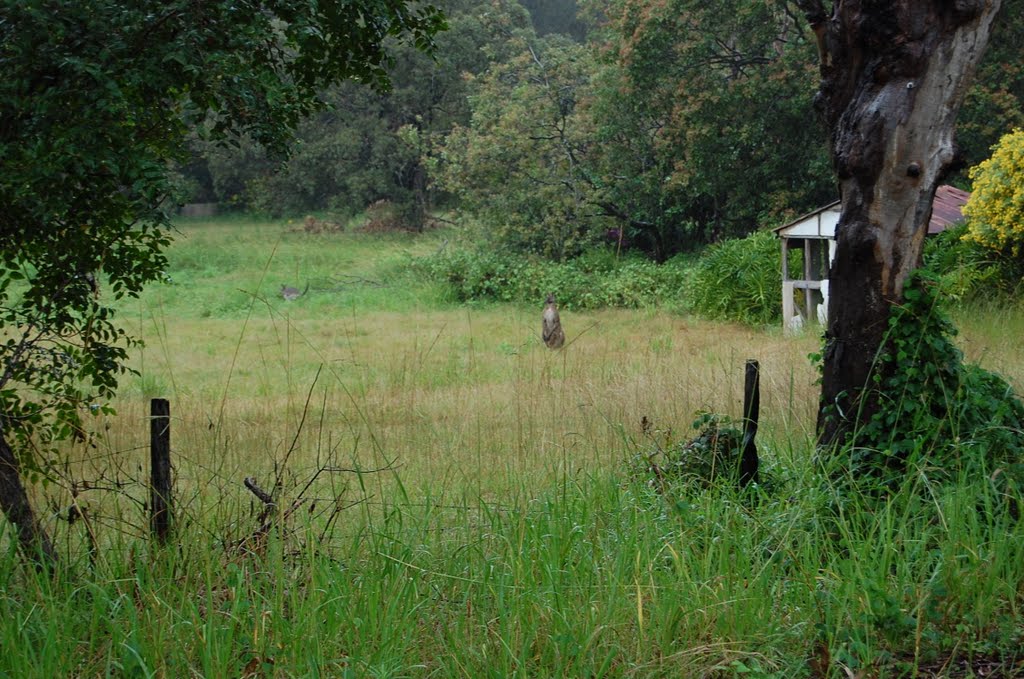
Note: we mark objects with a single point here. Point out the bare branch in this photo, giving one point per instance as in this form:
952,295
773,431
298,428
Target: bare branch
263,495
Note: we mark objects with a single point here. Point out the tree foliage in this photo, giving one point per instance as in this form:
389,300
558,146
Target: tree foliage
370,145
527,137
97,98
682,123
995,103
556,16
708,119
690,122
996,208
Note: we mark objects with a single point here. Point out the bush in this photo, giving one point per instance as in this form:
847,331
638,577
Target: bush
996,208
969,270
740,280
597,279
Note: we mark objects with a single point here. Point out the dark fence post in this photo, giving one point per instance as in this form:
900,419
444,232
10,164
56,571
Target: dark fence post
160,464
751,408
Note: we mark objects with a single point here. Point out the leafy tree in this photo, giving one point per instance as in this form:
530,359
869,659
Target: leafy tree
367,145
521,163
995,103
97,98
705,118
655,141
995,211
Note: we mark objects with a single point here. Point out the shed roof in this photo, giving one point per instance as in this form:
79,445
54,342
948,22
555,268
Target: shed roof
946,207
946,211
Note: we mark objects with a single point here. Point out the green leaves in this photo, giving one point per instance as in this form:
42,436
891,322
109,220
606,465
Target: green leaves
739,280
97,101
936,409
521,165
597,279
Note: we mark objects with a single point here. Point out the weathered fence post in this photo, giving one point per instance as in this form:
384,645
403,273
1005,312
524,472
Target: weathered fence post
160,465
751,408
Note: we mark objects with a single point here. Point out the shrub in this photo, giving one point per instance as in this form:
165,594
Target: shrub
969,270
740,280
597,279
996,208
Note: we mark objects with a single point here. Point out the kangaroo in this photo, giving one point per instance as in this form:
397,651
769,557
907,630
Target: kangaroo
552,333
291,294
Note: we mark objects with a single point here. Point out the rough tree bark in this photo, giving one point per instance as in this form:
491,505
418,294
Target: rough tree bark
893,77
16,507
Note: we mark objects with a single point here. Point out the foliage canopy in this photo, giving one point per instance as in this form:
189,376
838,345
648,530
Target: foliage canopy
367,145
677,124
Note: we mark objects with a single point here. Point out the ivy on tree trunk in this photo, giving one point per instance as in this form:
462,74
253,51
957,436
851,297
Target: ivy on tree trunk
893,77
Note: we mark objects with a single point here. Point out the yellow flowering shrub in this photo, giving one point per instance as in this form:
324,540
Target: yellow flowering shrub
995,211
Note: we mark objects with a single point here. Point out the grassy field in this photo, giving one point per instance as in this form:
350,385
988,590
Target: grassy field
457,502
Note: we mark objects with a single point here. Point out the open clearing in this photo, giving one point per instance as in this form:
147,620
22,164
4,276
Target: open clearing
454,395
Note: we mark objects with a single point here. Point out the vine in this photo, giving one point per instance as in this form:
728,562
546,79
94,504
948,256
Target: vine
934,407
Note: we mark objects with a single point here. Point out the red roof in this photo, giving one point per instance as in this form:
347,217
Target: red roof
946,208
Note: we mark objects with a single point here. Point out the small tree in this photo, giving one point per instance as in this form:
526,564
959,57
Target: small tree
527,136
96,100
996,208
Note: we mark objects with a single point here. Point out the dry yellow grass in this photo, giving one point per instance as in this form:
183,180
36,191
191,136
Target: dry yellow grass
456,400
453,397
468,398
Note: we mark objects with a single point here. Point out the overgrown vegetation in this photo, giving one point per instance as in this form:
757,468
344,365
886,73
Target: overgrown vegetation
594,280
735,280
506,534
588,578
936,411
449,497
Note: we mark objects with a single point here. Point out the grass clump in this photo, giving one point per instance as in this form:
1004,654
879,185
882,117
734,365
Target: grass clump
587,577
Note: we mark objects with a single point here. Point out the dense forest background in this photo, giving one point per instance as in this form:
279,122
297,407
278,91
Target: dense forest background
560,124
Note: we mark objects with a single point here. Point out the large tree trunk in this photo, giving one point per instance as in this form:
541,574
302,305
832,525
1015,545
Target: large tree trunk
16,507
893,77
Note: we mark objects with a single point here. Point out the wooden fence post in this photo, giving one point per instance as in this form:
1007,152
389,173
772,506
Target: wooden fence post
160,465
751,411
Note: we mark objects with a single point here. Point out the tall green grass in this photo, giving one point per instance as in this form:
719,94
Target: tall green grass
589,578
473,514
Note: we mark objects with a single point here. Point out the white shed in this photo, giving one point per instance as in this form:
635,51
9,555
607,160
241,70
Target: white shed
809,245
